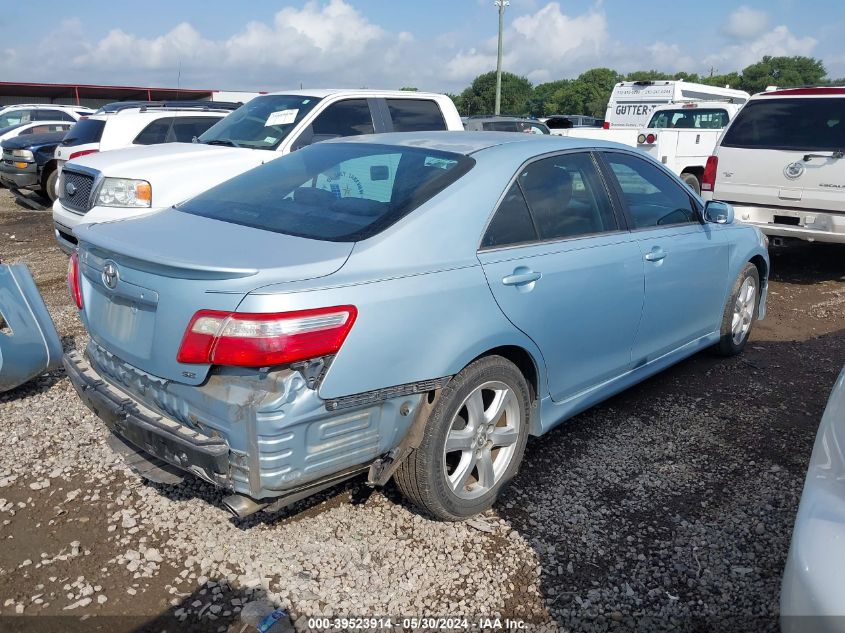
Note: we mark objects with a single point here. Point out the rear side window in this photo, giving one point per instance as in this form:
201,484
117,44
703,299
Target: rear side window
512,223
342,192
810,124
51,115
83,132
412,115
174,130
652,197
567,197
501,126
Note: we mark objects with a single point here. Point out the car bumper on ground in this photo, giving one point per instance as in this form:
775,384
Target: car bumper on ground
16,178
260,434
813,589
804,224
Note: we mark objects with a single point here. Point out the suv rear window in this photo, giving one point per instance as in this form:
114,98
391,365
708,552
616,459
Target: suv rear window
339,192
811,124
83,132
697,118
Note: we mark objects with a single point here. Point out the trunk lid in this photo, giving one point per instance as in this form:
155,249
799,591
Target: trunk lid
143,280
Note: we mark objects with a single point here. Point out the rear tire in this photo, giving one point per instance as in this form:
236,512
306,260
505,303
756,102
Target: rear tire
48,190
484,415
740,312
692,182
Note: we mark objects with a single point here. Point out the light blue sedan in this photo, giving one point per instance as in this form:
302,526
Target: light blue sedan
407,305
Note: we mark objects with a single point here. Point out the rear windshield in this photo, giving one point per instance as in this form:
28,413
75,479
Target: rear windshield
812,124
697,118
339,192
262,123
84,131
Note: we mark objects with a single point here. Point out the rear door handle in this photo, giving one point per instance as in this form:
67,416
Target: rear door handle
655,254
521,276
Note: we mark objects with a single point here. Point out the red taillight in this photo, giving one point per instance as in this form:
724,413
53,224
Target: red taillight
261,340
605,125
708,179
73,280
83,153
650,139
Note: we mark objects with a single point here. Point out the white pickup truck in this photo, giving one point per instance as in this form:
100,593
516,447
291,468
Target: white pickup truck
683,136
126,183
632,104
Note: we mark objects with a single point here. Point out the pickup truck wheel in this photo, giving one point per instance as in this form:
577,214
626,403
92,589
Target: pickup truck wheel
692,182
48,190
473,441
740,312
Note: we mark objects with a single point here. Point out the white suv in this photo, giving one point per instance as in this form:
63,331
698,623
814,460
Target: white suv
781,164
127,183
27,112
127,123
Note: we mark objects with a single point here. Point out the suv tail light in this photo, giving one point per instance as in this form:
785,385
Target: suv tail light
259,340
708,179
82,153
73,280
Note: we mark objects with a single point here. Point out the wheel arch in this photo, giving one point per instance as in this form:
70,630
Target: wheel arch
762,267
49,167
695,170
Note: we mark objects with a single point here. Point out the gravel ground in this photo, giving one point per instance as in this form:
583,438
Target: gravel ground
669,507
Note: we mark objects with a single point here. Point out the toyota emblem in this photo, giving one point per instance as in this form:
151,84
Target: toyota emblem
110,275
794,170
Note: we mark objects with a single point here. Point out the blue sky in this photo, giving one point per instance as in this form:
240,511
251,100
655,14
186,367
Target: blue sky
437,45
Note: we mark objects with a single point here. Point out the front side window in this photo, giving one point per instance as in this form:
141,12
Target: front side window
567,197
697,118
652,197
413,115
341,192
261,123
344,118
798,124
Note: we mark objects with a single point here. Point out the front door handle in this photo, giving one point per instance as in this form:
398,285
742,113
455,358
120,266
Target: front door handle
655,254
521,276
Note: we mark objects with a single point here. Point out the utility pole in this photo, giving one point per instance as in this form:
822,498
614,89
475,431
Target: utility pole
500,4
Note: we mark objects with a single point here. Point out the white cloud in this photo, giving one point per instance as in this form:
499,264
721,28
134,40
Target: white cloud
746,23
779,41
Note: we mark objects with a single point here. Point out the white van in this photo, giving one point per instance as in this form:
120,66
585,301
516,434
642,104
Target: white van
632,103
781,164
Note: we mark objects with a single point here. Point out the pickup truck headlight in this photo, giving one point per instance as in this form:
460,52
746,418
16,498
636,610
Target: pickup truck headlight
125,192
23,154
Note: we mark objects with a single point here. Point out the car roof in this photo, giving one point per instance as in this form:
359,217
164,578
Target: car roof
321,93
471,142
818,91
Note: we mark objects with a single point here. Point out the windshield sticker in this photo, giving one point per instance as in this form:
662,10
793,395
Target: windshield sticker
282,117
269,139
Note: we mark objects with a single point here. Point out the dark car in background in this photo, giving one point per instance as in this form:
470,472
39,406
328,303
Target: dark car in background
28,163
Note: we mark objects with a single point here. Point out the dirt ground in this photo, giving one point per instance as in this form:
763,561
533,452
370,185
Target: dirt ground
598,491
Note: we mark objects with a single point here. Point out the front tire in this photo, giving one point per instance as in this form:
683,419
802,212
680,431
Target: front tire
49,188
740,312
473,441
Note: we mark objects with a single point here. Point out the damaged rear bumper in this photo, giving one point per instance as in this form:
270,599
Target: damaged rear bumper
174,443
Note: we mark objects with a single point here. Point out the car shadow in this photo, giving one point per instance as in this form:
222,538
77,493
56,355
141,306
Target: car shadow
806,263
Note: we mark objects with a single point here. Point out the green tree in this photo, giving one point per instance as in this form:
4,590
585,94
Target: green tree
732,80
480,96
542,101
647,75
783,72
408,89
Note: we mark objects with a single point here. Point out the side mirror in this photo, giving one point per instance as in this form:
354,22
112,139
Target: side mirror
718,212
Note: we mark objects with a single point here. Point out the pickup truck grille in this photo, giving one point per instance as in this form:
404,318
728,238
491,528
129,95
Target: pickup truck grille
75,191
